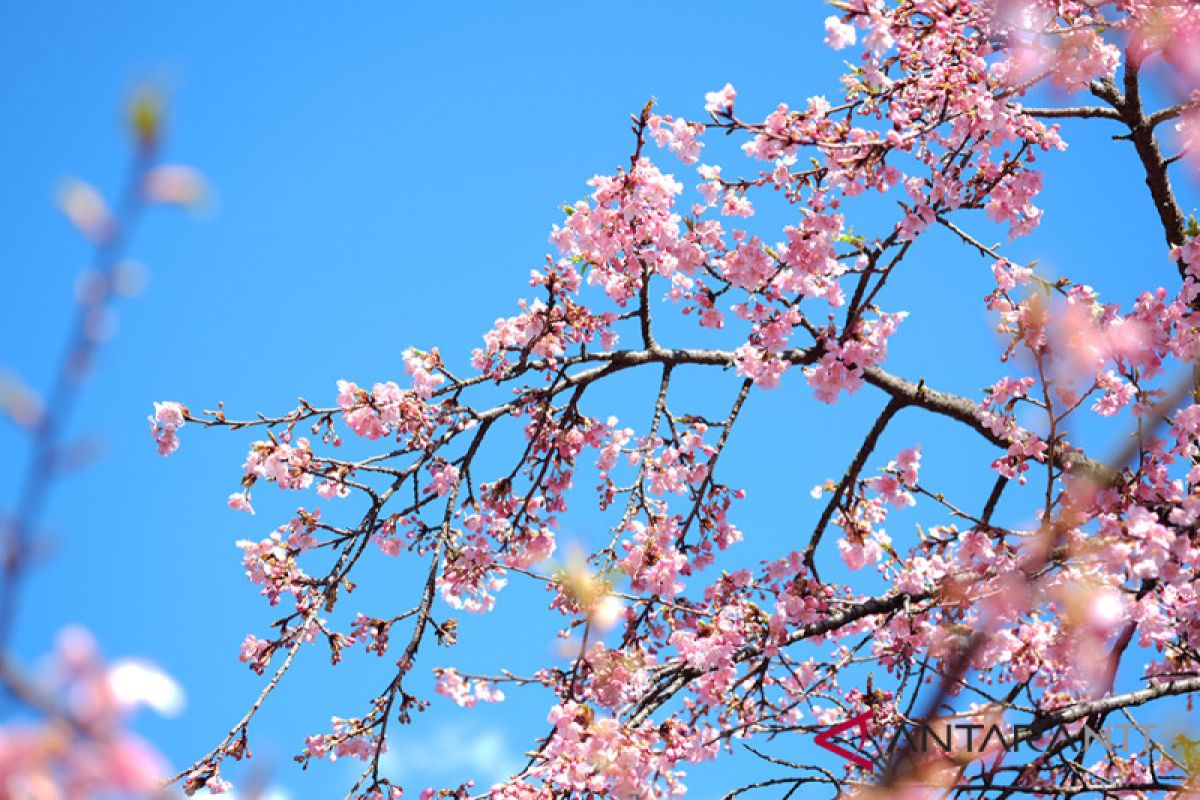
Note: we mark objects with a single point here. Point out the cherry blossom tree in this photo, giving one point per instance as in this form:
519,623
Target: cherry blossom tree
678,661
681,655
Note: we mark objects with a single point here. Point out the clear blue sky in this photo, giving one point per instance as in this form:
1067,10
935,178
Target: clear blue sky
387,175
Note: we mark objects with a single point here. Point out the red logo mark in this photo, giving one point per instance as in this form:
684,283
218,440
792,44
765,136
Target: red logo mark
859,722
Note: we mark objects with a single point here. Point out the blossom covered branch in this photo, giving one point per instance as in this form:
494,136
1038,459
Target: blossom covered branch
677,656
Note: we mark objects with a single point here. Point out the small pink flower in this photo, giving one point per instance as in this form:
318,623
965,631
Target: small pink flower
170,414
712,318
737,205
720,101
445,476
839,35
420,366
331,488
240,501
217,785
168,418
908,462
86,209
679,136
174,184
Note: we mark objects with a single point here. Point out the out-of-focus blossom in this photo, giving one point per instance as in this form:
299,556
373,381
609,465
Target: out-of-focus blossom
86,750
82,204
175,184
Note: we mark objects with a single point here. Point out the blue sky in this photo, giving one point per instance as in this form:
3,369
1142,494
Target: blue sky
386,177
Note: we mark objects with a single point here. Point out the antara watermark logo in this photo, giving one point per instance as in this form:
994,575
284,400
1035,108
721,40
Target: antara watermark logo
955,738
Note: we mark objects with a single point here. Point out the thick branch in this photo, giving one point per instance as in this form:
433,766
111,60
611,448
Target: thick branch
1141,133
1077,112
1104,705
967,412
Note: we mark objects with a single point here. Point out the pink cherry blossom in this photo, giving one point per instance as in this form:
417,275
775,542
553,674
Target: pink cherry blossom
240,501
839,35
168,418
721,100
